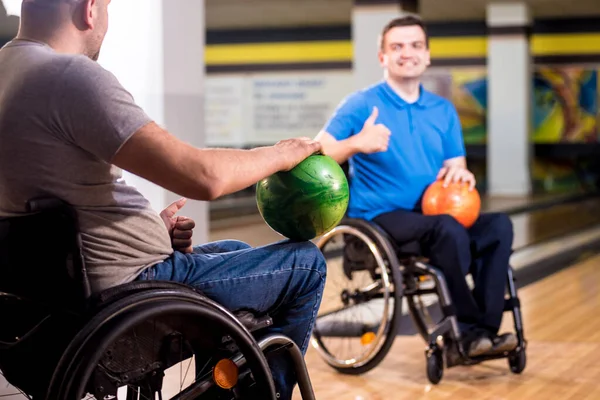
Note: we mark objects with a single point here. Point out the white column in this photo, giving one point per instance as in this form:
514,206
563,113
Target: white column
509,99
161,62
184,70
135,57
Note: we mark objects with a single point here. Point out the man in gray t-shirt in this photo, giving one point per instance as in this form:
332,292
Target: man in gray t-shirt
62,120
68,127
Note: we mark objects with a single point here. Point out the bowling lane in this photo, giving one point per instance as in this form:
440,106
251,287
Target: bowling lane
529,228
562,326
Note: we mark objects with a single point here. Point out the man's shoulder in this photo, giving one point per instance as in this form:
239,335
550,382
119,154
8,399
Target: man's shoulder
375,90
435,101
362,97
80,65
51,69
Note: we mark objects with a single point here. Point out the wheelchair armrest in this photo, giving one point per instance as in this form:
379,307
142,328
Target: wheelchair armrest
251,322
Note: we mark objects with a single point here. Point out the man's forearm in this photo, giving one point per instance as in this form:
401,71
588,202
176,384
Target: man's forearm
339,150
232,170
199,174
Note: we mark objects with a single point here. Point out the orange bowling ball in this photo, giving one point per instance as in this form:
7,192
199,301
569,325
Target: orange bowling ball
455,200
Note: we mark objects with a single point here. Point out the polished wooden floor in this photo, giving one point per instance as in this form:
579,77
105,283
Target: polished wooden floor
562,322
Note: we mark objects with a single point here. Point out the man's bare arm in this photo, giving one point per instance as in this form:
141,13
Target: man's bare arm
371,139
205,174
339,150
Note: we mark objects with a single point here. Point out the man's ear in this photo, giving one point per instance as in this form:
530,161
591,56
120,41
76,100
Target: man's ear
381,58
88,11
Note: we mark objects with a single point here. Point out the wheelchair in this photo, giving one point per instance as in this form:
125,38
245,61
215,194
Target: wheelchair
366,309
58,341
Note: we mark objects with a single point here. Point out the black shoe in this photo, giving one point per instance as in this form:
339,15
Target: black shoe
503,343
476,342
478,346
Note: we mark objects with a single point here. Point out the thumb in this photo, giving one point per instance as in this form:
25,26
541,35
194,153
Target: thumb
172,209
373,117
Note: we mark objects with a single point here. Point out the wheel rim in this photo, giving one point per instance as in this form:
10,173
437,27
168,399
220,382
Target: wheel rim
386,289
76,376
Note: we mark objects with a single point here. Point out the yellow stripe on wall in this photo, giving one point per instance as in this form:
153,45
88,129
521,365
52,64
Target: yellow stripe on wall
565,44
326,51
341,50
458,47
274,53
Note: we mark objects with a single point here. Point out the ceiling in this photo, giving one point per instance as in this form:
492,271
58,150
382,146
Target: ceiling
229,14
223,14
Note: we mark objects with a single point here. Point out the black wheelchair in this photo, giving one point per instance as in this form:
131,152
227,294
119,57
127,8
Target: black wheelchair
365,310
60,342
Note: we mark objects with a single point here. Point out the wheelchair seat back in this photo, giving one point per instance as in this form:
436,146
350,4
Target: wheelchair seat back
43,288
40,256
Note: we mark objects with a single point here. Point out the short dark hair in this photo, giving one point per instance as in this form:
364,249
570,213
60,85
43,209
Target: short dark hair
408,20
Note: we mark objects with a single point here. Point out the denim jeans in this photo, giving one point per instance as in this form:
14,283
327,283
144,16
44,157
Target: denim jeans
285,279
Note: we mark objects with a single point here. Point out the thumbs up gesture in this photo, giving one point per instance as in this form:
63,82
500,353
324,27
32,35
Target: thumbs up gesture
373,137
180,228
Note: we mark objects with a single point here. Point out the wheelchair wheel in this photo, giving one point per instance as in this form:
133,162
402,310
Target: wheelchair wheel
362,301
435,364
518,361
156,342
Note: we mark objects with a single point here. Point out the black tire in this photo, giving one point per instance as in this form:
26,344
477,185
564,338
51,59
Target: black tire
379,238
435,364
122,315
518,361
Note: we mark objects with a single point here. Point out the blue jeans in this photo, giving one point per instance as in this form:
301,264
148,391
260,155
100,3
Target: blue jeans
285,279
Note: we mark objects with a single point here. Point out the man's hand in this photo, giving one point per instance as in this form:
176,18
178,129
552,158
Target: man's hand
294,151
456,173
373,137
180,228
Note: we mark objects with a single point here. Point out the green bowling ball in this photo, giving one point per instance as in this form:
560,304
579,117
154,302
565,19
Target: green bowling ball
305,202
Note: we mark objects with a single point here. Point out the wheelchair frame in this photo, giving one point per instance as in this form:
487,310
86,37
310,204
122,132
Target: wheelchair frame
95,320
445,335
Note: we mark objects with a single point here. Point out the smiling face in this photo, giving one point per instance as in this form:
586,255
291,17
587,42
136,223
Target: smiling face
404,53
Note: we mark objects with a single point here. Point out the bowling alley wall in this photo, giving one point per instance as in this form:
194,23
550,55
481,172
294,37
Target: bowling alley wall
263,85
268,84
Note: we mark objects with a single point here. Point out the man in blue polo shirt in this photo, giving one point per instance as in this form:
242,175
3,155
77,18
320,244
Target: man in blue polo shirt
398,139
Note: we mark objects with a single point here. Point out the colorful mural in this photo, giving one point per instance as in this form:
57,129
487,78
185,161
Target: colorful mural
564,110
469,95
565,105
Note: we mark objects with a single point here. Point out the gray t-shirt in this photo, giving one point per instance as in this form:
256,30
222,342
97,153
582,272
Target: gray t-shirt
62,119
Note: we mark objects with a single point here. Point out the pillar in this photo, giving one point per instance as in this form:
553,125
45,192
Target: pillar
183,61
510,85
368,19
161,62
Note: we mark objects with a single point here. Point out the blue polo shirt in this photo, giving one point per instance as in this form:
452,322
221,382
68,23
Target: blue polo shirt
423,135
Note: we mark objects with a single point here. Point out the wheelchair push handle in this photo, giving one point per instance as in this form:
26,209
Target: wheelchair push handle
45,204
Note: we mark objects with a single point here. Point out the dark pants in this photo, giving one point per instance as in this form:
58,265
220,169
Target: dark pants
483,250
